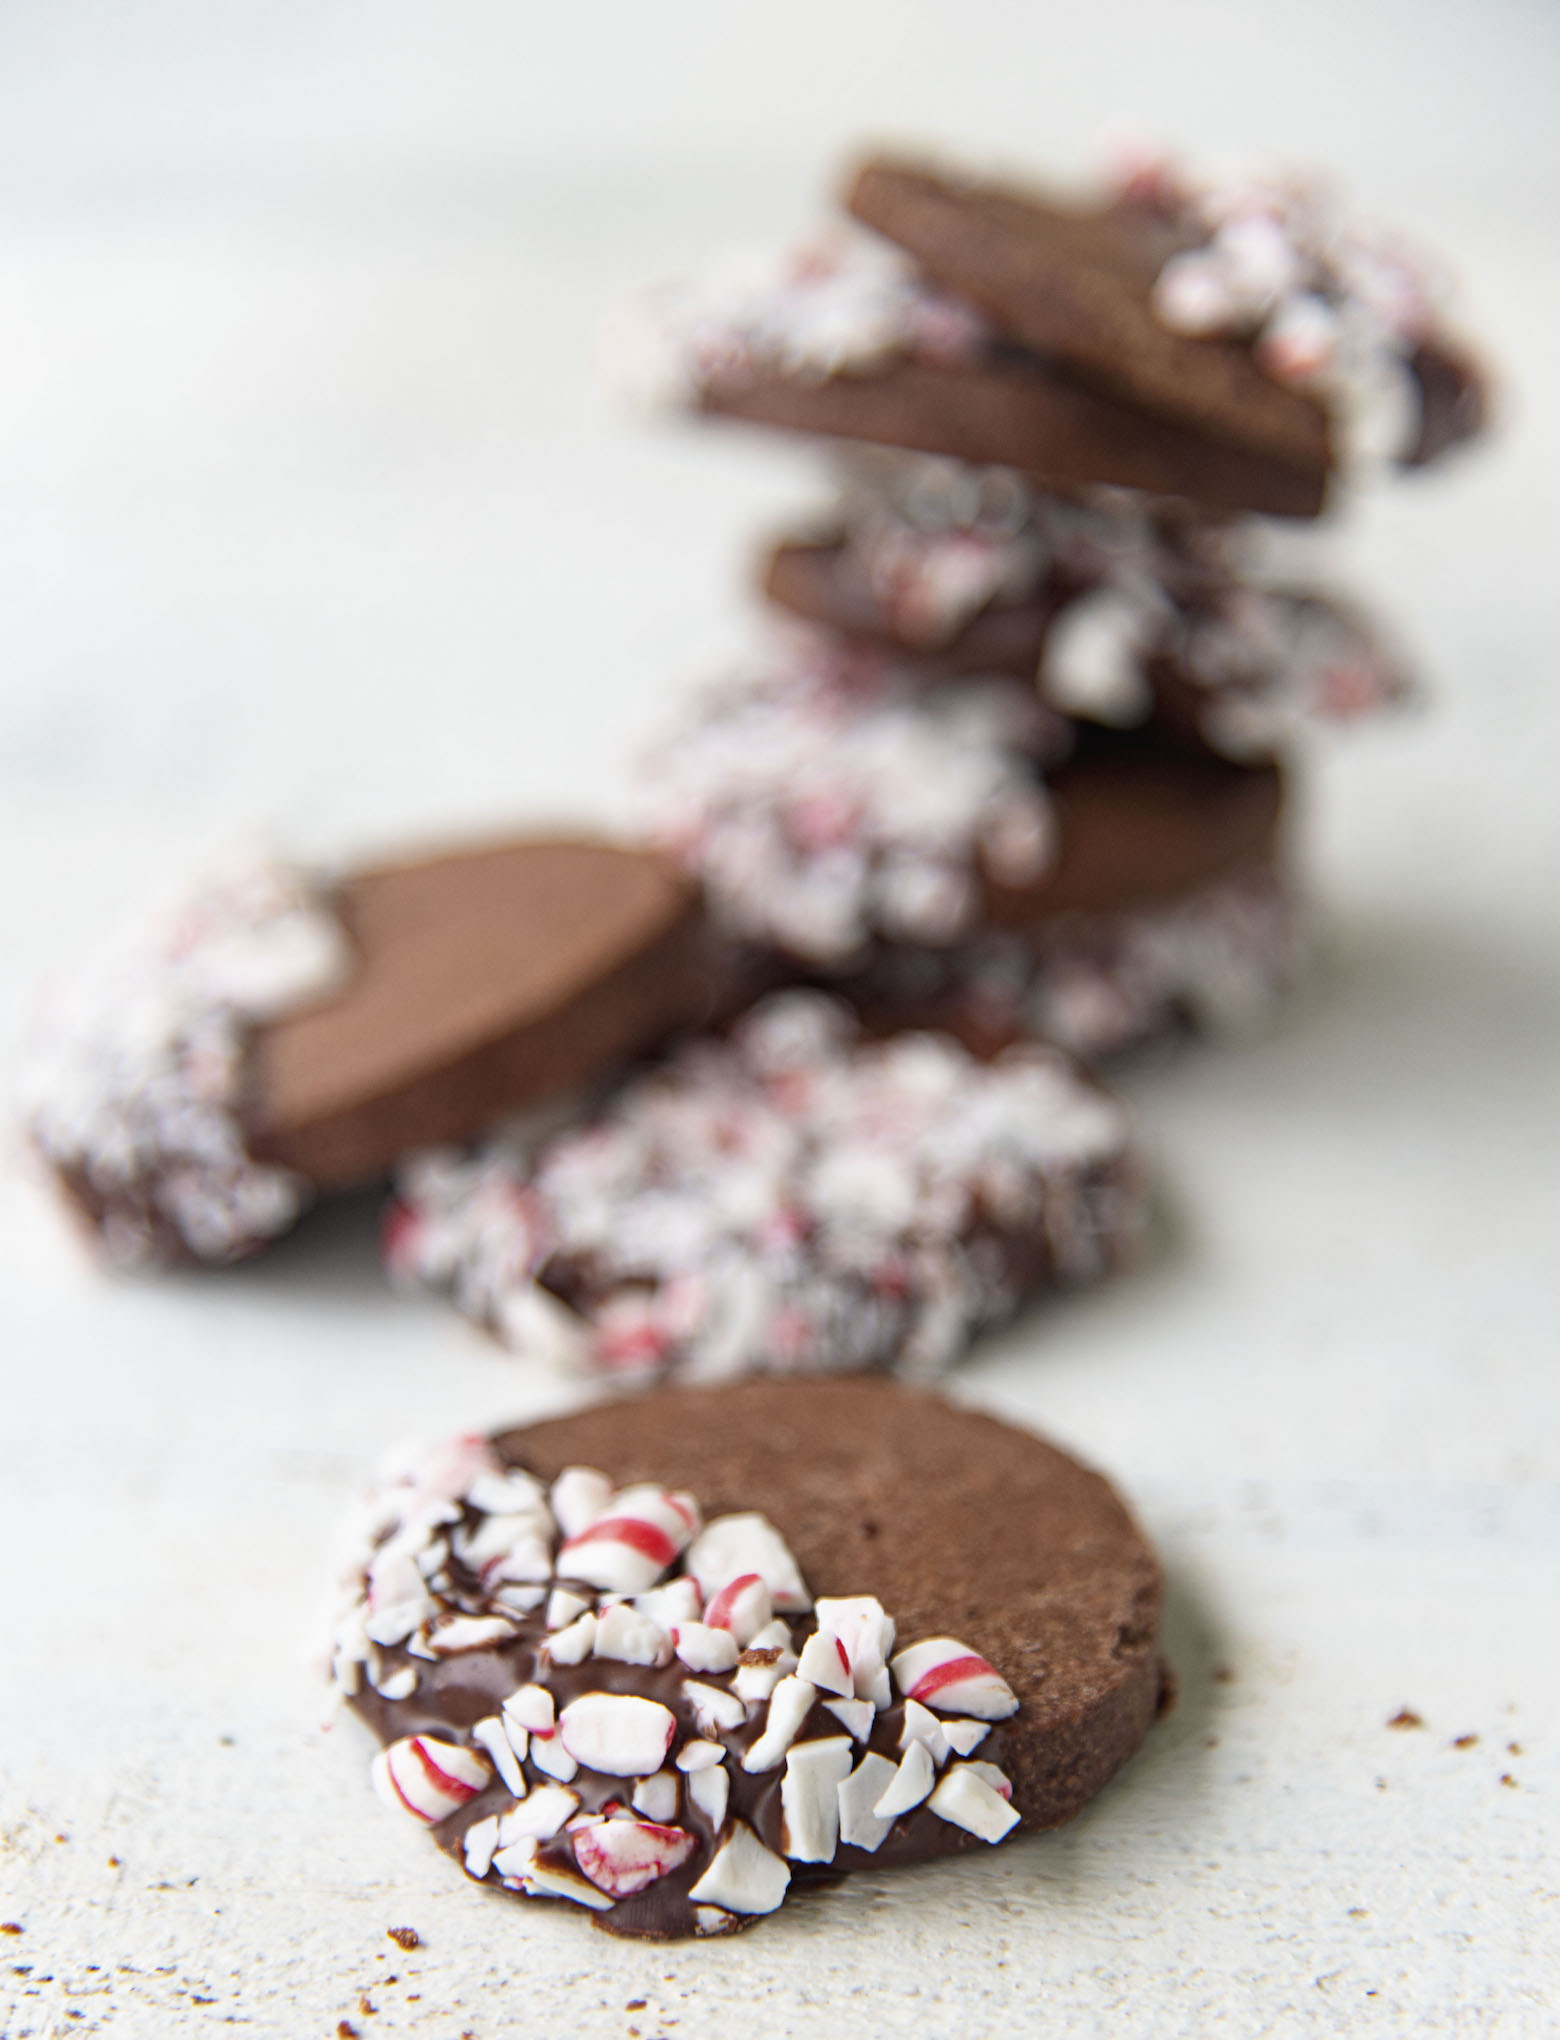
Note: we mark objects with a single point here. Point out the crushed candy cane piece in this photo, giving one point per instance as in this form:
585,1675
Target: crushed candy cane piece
910,1783
942,1673
619,1733
809,1797
744,1876
621,1857
968,1801
427,1778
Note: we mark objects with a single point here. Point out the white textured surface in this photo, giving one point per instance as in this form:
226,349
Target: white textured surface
310,517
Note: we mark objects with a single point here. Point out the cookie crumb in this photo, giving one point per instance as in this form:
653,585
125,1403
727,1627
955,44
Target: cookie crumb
345,2030
1406,1718
369,2011
1464,1742
406,1938
1507,1779
12,1927
1513,1749
636,2004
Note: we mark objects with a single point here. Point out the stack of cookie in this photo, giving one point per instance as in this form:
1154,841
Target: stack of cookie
1018,765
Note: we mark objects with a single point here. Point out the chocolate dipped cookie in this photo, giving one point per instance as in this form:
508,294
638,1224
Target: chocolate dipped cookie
271,1035
790,1197
671,1658
1249,309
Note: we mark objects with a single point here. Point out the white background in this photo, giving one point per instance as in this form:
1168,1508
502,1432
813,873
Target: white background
312,521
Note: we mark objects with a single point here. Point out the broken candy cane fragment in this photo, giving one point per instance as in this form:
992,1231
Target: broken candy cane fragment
710,1919
578,1496
809,1798
864,1635
494,1738
618,1733
539,1816
522,1867
700,1756
469,1632
478,1845
942,1673
744,1876
734,1546
759,1672
860,1825
564,1607
964,1736
824,1662
678,1601
631,1638
703,1648
743,1606
572,1646
788,1709
400,1685
530,1707
709,1792
621,1857
857,1716
922,1726
999,1781
966,1800
627,1549
713,1708
429,1779
549,1756
656,1796
910,1783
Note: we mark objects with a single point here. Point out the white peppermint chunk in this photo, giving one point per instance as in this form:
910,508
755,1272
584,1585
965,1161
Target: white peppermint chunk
964,1736
744,1876
910,1783
733,1546
618,1733
621,1857
572,1646
788,1709
998,1780
922,1726
656,1796
478,1844
757,1678
744,1607
539,1816
579,1495
700,1756
550,1755
460,1633
400,1685
809,1797
564,1607
857,1716
703,1649
943,1673
860,1824
530,1707
678,1601
823,1661
966,1800
709,1792
494,1738
633,1639
864,1638
522,1865
713,1707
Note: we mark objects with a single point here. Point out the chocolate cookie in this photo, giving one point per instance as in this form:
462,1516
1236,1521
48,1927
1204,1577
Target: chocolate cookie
1247,311
835,340
270,1036
789,1198
592,1652
826,804
1119,609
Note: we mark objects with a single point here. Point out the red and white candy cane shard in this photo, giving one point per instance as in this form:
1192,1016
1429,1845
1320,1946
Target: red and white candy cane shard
733,1546
430,1780
949,1676
621,1857
967,1800
743,1606
578,1496
628,1548
744,1876
618,1733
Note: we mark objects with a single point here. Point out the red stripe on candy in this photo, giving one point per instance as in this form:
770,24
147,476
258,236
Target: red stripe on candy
456,1788
630,1530
718,1613
951,1674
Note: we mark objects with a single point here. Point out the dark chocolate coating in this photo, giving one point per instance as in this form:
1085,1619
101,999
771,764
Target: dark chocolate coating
958,1524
